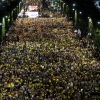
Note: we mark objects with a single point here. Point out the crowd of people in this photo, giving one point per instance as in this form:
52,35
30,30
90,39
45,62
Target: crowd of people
44,59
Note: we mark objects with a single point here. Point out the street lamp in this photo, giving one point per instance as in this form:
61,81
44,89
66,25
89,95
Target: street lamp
75,17
0,24
80,12
63,6
99,22
3,28
75,14
6,16
74,5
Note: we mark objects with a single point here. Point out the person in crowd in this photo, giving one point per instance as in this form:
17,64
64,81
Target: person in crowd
47,64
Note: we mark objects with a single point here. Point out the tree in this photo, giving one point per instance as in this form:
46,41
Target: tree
97,40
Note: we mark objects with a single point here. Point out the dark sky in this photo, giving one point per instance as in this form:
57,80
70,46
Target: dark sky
87,6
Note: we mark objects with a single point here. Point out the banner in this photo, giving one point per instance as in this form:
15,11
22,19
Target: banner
32,14
32,8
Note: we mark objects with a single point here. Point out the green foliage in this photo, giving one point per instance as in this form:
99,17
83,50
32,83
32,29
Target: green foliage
67,9
97,40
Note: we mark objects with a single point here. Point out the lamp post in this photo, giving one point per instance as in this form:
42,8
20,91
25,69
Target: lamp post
11,16
19,7
6,23
75,17
0,31
75,14
61,4
17,10
63,7
3,28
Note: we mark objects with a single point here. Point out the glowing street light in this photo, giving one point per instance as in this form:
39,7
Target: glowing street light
6,16
74,5
98,22
0,24
80,12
